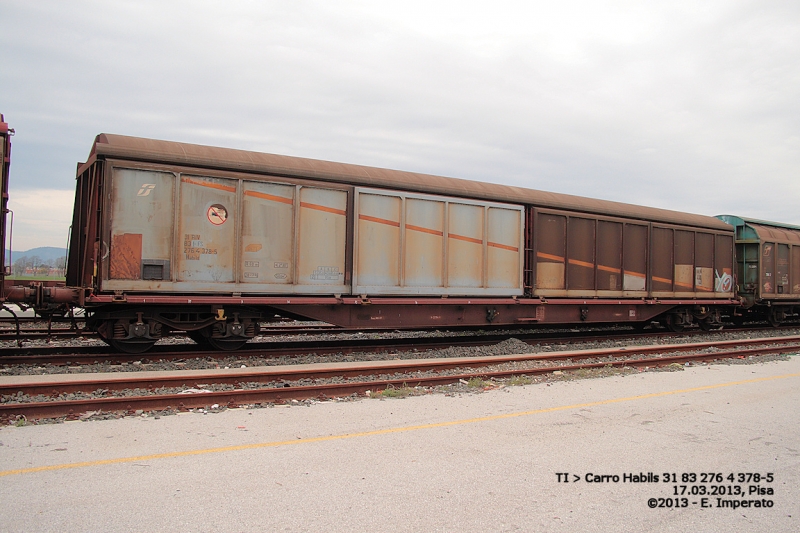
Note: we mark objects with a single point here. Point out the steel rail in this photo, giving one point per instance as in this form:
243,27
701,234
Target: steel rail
63,355
284,391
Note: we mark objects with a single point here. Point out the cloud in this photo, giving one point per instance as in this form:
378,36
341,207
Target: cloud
689,106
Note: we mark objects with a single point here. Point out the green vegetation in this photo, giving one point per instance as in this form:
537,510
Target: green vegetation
37,278
392,392
478,383
520,380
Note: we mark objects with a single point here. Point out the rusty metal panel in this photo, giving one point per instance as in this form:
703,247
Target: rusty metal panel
140,219
768,268
634,257
322,236
125,257
551,238
723,264
267,242
684,261
207,226
465,245
782,270
704,268
796,270
379,249
580,258
609,256
662,260
503,254
424,243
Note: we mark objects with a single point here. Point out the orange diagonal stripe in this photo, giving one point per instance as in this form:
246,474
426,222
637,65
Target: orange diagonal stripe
379,220
503,246
210,185
270,197
465,239
609,269
550,256
577,262
323,208
424,230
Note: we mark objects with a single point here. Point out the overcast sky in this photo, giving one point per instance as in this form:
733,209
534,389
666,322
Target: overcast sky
692,106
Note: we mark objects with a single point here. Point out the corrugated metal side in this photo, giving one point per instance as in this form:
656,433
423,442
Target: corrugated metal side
134,148
410,244
141,215
207,228
322,238
185,232
635,245
582,257
268,229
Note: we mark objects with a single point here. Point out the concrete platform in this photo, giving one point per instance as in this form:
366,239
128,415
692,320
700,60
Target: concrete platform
473,462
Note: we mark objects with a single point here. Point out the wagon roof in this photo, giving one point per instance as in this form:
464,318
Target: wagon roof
765,230
141,149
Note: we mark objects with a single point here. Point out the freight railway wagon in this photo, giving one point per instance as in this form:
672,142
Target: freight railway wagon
211,241
767,269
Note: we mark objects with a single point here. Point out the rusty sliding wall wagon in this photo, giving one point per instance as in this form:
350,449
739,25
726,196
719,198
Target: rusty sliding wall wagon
212,241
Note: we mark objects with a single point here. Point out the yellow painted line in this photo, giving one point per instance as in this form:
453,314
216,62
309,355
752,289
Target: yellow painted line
387,431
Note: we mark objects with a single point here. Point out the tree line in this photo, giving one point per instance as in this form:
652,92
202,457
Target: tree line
36,266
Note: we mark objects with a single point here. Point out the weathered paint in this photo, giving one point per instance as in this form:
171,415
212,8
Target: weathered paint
424,243
268,233
322,237
421,244
141,214
207,228
232,235
125,257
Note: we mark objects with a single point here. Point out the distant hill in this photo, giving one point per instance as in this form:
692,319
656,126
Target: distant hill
45,253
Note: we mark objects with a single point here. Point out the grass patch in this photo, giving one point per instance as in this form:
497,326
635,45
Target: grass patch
36,278
394,392
480,383
520,380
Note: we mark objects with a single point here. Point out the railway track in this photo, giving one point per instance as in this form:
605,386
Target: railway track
344,344
43,397
71,355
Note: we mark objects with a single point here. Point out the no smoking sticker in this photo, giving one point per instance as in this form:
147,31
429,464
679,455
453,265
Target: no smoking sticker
217,214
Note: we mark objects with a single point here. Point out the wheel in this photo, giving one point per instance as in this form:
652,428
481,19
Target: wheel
706,324
131,346
198,337
773,319
227,345
671,323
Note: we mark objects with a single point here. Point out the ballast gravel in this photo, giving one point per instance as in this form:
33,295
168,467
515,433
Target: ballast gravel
508,347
